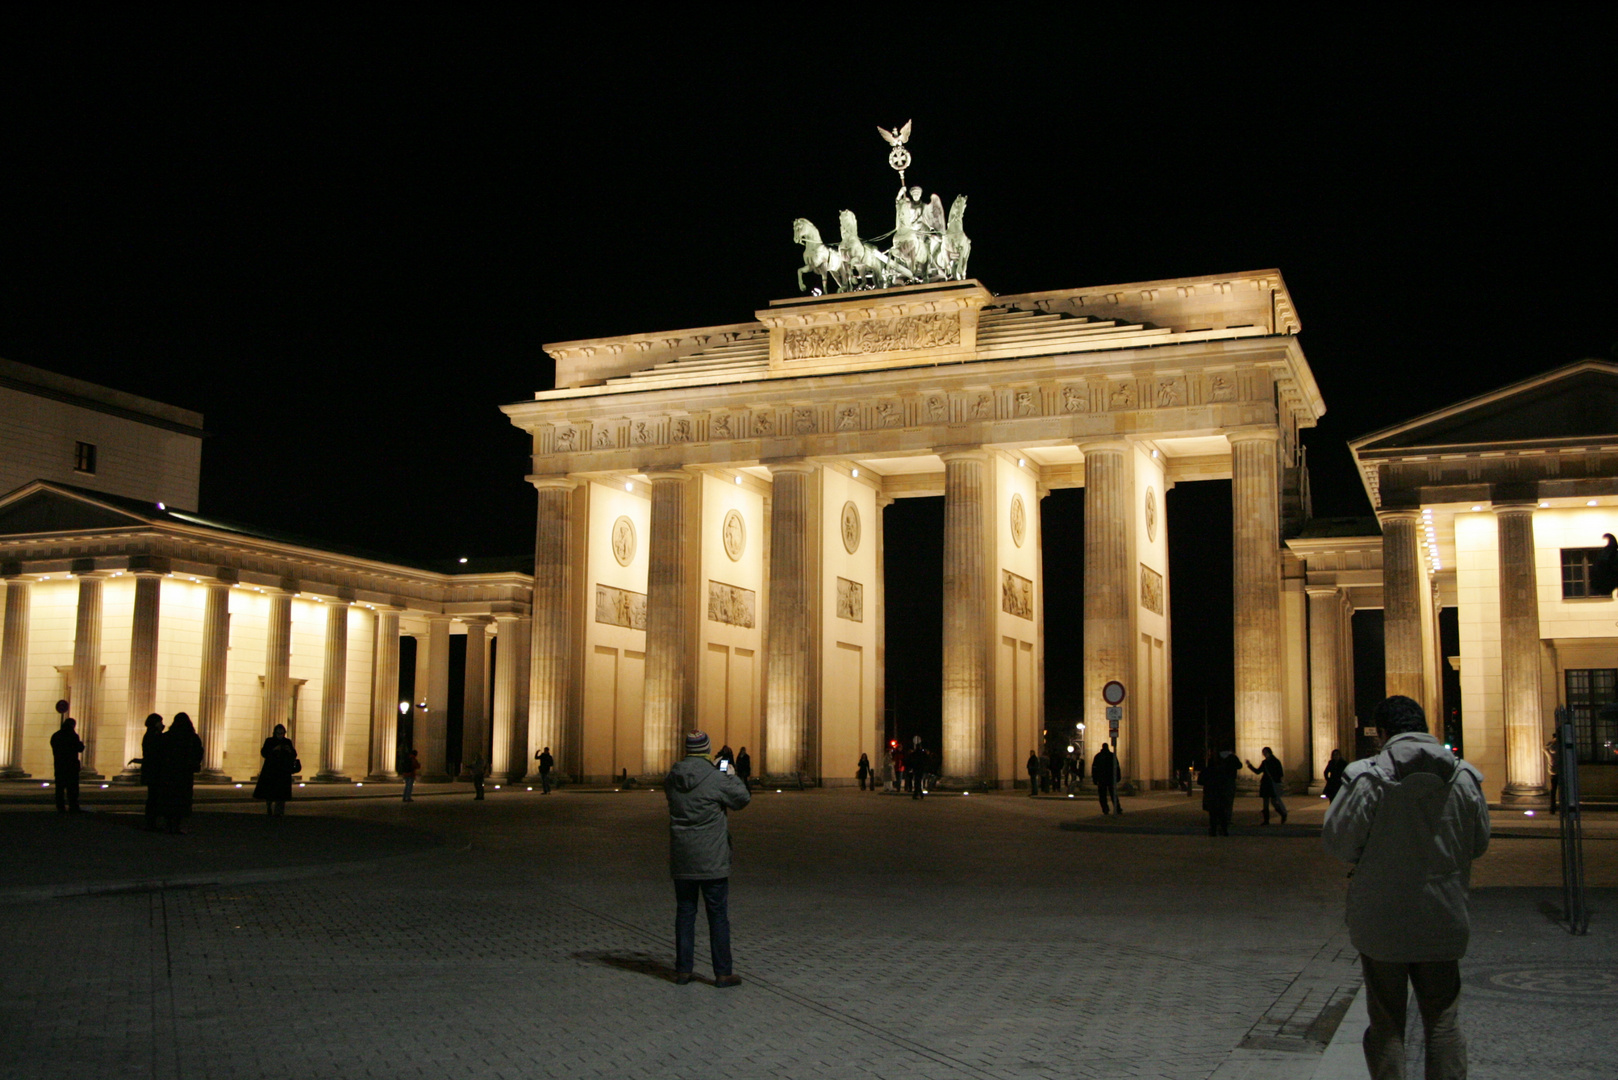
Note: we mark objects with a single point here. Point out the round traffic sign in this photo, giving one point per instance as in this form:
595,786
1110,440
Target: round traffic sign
1113,692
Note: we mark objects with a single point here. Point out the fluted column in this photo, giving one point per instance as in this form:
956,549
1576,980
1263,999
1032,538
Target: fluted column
334,693
1325,665
1348,721
967,717
1108,589
550,650
1401,604
1255,498
474,713
667,707
503,720
82,683
1519,653
431,738
211,684
792,688
278,663
385,699
13,678
142,697
880,606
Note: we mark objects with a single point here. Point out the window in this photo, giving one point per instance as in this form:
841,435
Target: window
84,457
1576,564
1592,699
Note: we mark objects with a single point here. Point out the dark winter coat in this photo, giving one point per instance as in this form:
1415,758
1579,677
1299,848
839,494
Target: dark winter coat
181,758
1219,781
699,794
66,746
1104,770
275,778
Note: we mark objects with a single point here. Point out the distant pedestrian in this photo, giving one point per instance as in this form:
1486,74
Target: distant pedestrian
899,777
151,769
726,754
1334,774
1045,771
275,775
1104,770
1070,771
546,764
917,763
1219,775
699,795
863,771
409,769
477,770
182,757
1272,778
1410,820
1033,774
744,768
66,746
1553,770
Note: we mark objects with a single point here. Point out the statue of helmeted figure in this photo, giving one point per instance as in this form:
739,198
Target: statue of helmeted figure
910,240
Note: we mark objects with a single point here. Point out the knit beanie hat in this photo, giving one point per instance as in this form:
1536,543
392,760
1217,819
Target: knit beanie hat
697,743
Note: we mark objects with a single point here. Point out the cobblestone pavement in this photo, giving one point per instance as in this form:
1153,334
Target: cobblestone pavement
530,936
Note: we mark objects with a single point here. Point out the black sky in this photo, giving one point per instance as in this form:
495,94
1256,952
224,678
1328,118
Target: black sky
344,238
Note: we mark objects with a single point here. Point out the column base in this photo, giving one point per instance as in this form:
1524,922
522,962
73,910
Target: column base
330,778
12,772
382,778
127,778
213,776
961,783
1525,795
795,781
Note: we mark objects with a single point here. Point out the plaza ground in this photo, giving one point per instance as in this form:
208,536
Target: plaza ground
530,936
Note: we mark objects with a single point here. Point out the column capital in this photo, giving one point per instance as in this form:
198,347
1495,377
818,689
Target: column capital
1403,514
1091,446
476,620
962,453
553,483
148,564
1313,591
1501,509
1253,434
681,475
439,617
790,465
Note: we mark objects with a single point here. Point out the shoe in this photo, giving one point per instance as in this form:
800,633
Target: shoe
682,978
725,981
1283,819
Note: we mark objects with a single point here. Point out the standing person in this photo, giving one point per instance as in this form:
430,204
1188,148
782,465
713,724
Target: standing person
744,768
66,746
699,795
863,771
546,764
409,769
1271,778
1334,774
916,764
1553,769
478,771
1105,772
275,775
182,757
1033,774
898,757
1219,789
726,754
151,766
1410,820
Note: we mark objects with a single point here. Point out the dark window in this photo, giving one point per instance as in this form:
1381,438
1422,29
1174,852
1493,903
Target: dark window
1592,699
1576,563
84,457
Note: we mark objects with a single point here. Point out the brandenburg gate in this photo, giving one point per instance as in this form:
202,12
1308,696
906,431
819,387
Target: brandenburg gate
709,550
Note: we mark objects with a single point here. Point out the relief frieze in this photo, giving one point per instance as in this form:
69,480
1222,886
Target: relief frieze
1016,595
850,600
620,607
731,605
904,334
1151,589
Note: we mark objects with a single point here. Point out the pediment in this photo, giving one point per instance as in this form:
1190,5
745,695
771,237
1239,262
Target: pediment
1572,403
42,509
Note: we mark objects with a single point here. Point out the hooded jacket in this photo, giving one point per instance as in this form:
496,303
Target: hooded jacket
1411,820
699,793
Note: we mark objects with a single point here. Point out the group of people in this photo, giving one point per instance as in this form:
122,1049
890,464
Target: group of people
740,763
1048,775
168,767
911,770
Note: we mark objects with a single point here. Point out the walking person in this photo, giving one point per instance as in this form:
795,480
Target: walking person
916,765
546,764
1271,779
66,746
151,769
1219,775
1410,820
478,771
1104,770
744,768
700,794
863,771
181,758
1334,774
1033,774
409,769
275,775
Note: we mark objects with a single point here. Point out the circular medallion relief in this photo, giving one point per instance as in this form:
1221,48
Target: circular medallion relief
623,541
1151,515
735,535
851,527
1019,520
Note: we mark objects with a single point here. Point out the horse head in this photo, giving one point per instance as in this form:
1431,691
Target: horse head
804,232
957,213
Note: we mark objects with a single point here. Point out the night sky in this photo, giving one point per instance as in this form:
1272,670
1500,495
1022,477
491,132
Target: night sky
343,239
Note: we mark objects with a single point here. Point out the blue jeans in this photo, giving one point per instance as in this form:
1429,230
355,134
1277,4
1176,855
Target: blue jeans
716,898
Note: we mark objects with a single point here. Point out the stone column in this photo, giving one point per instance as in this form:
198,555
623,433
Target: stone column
142,697
880,607
13,678
431,739
1401,604
86,676
667,707
791,683
1255,498
474,716
1325,665
505,744
334,694
385,699
550,650
1519,654
278,662
968,720
1348,724
1109,652
211,684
